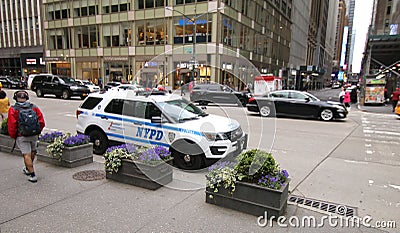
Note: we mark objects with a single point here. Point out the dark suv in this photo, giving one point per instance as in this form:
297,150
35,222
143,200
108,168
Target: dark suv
217,93
60,86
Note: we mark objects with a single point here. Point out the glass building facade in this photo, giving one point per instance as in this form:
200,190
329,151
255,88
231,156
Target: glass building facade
169,42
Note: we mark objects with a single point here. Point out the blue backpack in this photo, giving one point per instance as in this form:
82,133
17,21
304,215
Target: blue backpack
28,121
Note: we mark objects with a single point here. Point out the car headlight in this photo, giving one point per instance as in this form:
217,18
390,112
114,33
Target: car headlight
215,136
74,88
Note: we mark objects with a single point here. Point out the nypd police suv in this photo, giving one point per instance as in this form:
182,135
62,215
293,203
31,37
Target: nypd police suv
162,119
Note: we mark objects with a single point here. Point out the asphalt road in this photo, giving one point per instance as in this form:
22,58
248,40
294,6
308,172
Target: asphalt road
353,162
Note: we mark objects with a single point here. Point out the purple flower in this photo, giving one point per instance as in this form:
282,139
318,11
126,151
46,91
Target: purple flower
128,147
50,137
76,140
149,155
162,152
285,173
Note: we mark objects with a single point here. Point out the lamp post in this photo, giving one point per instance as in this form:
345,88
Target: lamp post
194,31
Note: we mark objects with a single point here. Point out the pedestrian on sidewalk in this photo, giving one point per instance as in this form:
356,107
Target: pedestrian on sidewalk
25,122
4,104
341,95
395,98
347,99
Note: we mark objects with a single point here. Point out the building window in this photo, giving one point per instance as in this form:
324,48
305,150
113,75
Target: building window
388,10
152,32
184,30
114,35
59,39
115,6
227,31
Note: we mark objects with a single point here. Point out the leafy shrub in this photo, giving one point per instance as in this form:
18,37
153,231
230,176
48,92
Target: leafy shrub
252,166
152,155
4,127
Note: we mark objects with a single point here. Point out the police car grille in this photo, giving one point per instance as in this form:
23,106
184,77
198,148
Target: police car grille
234,134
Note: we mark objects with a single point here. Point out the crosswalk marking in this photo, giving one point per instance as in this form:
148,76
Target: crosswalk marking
382,138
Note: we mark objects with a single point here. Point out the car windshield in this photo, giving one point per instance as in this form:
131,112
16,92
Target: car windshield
181,110
68,80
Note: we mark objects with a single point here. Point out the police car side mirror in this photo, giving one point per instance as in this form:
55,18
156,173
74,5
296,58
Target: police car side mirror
156,120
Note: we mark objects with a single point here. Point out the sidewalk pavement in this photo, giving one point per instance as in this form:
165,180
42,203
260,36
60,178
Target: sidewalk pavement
384,109
60,203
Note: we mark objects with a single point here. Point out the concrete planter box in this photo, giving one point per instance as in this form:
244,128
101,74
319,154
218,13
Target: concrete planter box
250,198
143,175
7,143
71,156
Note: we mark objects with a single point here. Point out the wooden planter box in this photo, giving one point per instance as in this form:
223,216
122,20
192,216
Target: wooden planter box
250,198
143,175
7,143
71,156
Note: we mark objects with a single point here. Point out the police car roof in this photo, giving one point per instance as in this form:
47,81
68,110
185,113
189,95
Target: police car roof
135,95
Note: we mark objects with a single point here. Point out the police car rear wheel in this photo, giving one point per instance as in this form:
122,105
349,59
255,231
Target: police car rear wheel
100,142
187,162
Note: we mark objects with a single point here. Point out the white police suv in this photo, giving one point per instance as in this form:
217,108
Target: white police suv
192,136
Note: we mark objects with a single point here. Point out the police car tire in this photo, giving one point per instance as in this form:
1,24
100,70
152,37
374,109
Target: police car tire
179,161
101,146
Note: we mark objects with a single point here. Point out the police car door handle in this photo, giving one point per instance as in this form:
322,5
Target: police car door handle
137,123
104,117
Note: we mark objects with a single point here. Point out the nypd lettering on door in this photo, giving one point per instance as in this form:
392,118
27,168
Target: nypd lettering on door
149,133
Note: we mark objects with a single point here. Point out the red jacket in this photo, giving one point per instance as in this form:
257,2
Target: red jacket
13,120
396,95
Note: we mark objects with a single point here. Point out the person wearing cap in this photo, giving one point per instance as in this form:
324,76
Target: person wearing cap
27,144
395,98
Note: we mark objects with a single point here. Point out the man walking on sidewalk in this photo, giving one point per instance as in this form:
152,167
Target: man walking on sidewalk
395,98
25,122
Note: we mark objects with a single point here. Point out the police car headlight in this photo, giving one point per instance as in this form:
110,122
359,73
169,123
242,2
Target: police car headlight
74,88
215,136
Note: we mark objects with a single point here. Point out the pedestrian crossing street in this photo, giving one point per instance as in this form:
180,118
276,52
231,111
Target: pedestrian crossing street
382,138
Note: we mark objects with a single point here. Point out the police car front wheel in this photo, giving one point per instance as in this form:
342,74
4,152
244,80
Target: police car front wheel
186,161
99,140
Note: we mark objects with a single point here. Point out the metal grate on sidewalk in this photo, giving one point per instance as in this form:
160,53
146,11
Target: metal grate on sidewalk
327,207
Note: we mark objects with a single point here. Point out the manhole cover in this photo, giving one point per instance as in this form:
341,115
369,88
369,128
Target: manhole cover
90,175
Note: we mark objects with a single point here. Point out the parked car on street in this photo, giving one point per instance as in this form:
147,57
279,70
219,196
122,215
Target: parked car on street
92,86
158,118
30,79
296,104
60,86
12,82
219,94
132,87
111,84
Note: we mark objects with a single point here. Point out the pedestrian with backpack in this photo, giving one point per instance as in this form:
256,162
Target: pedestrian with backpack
25,122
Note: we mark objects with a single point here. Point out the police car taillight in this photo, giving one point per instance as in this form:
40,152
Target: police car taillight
78,112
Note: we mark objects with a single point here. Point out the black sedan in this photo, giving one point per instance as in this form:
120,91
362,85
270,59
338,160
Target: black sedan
219,94
12,82
296,104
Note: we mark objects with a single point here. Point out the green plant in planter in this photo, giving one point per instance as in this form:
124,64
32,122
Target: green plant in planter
4,127
252,166
152,155
59,141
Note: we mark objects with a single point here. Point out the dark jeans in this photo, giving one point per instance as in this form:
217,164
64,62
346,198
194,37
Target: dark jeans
394,104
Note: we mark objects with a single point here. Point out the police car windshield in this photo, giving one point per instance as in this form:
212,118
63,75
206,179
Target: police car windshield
181,110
